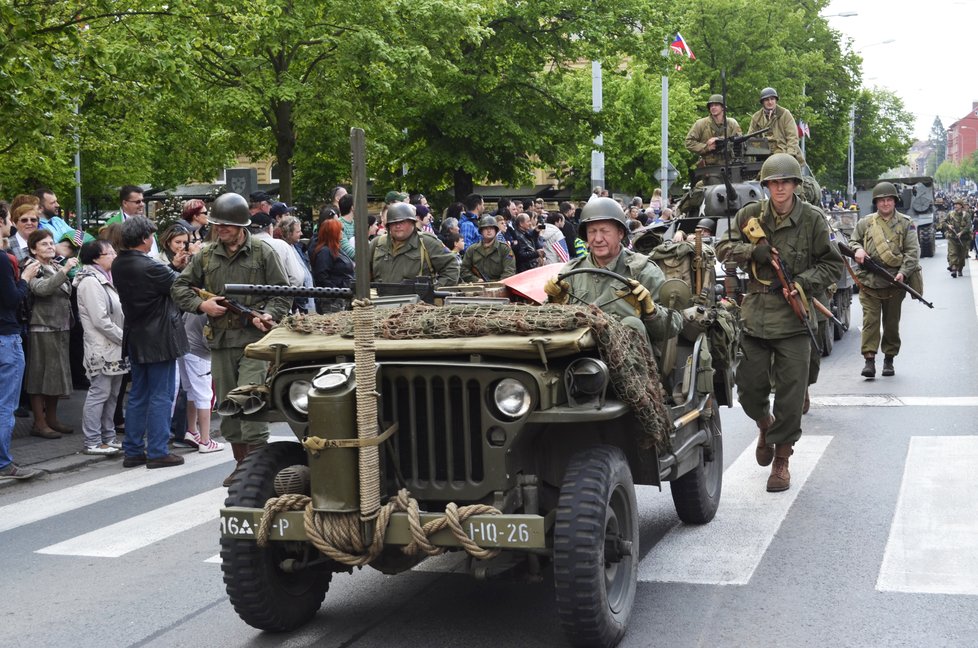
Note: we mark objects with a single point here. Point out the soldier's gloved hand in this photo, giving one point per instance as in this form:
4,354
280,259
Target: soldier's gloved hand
761,254
640,298
557,291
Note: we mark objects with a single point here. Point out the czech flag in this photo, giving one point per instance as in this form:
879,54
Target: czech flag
803,130
679,46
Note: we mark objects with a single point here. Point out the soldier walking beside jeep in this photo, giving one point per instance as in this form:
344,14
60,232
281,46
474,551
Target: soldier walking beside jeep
890,238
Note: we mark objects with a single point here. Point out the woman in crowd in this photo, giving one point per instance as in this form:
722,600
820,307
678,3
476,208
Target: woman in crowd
330,267
25,217
101,317
48,370
194,218
175,246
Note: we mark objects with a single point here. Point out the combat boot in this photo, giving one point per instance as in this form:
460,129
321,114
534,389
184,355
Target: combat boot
240,451
869,371
808,403
780,479
888,365
764,453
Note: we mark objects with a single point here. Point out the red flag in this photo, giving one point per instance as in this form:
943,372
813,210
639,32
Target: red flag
679,46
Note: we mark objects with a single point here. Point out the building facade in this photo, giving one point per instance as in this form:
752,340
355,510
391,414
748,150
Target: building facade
962,136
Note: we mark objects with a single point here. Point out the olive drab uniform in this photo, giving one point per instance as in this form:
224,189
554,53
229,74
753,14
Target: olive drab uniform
422,255
602,291
893,244
706,128
255,263
783,136
957,231
488,264
771,328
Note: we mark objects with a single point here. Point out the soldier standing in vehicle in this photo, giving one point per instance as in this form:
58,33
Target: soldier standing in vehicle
405,254
604,224
783,136
490,259
235,257
702,137
776,345
957,231
890,238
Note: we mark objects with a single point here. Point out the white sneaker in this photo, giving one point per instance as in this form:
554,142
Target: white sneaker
192,437
114,444
101,450
210,446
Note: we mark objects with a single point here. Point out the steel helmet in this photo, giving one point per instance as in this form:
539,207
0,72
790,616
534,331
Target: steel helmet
707,224
603,208
883,189
489,221
780,166
715,99
401,211
768,92
230,209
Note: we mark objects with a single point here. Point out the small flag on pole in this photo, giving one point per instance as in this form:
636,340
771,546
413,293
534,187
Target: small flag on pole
803,130
560,248
679,46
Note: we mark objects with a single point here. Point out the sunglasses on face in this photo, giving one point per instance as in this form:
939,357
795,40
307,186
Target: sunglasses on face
27,220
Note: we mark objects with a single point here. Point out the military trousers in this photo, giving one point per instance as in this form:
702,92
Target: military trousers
815,363
885,312
957,253
230,368
782,364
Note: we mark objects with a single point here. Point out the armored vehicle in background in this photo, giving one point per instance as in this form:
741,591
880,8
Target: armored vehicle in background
916,200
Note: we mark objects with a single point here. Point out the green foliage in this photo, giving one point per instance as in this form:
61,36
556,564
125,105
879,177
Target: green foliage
883,133
938,141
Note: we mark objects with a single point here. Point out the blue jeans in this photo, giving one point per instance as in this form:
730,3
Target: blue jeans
148,410
11,374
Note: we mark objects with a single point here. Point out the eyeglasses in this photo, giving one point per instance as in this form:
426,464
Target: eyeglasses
28,220
108,253
135,202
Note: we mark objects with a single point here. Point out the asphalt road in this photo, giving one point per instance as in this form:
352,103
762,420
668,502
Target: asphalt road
876,543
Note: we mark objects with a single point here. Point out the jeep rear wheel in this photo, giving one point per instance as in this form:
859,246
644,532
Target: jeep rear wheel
263,595
596,547
925,234
696,494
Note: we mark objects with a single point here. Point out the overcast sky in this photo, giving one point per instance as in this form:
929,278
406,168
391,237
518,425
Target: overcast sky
929,64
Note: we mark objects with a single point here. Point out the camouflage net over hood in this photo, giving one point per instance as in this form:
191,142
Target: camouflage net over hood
633,370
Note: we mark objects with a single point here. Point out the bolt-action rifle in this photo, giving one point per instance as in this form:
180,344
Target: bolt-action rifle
235,307
874,266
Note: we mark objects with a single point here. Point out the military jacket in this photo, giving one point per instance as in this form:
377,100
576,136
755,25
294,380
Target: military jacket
813,261
212,268
488,264
893,245
783,136
602,291
960,223
705,128
422,255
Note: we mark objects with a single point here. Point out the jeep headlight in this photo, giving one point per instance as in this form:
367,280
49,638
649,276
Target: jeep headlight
299,395
586,380
512,398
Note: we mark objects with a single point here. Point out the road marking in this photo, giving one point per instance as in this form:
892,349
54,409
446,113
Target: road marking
728,550
143,530
933,543
215,559
973,266
889,400
127,480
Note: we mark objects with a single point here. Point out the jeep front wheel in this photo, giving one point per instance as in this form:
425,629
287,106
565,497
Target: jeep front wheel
261,592
596,547
696,494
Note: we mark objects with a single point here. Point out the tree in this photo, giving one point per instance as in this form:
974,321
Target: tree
882,133
938,142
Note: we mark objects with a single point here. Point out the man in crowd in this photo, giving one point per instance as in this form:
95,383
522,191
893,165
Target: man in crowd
236,257
957,231
783,136
154,337
405,254
259,201
132,205
50,215
525,249
491,259
776,345
469,222
278,210
890,238
261,230
702,137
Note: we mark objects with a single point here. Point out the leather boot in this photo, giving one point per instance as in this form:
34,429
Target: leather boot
780,479
869,371
240,451
888,365
808,403
764,453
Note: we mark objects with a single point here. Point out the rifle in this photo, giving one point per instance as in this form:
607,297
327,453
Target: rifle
235,307
737,139
825,310
874,266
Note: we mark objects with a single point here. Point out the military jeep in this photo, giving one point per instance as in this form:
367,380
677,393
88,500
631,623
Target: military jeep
514,433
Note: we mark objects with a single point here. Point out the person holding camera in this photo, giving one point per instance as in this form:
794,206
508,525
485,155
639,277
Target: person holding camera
176,246
49,370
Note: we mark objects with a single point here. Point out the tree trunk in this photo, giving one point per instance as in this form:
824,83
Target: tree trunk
463,184
284,130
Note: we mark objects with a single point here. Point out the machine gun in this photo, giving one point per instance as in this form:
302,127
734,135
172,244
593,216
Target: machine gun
729,142
874,266
246,313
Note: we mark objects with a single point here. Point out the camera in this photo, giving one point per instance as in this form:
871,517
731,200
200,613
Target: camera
60,260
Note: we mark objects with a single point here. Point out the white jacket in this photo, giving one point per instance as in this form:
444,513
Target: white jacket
101,317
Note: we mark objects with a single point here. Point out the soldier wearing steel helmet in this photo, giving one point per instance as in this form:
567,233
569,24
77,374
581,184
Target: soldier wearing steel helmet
890,238
604,225
490,259
783,134
776,345
957,231
702,137
235,257
405,254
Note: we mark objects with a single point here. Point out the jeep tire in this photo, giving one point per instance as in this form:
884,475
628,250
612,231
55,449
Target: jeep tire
596,548
264,596
696,494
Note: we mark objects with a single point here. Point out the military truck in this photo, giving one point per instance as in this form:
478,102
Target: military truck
916,200
509,434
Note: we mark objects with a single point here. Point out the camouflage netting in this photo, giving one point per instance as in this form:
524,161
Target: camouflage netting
633,369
